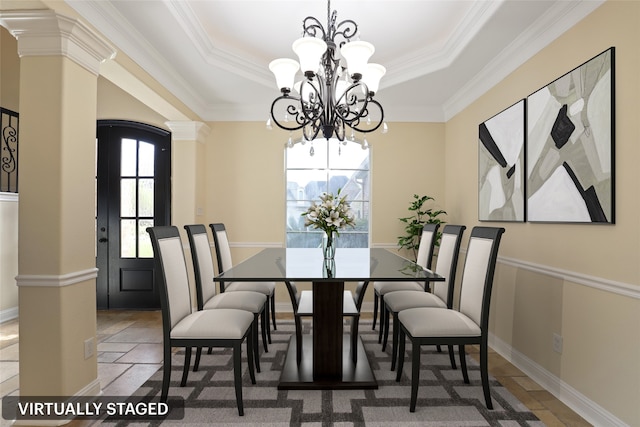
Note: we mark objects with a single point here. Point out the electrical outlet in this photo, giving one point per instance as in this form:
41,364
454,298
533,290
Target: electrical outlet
89,347
557,343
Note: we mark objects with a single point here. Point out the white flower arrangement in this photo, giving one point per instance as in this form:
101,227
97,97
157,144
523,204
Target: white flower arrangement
332,214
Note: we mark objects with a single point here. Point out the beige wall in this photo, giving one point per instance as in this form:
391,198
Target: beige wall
580,281
10,76
245,178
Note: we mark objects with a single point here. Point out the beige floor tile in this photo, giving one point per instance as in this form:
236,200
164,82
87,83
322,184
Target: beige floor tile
10,353
143,353
131,380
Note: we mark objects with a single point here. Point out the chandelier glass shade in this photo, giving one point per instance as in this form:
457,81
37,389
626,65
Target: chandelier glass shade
335,92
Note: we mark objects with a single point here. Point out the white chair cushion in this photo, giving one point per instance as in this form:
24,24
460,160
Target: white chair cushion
437,322
241,300
176,278
473,277
205,264
382,288
403,300
213,324
262,287
424,247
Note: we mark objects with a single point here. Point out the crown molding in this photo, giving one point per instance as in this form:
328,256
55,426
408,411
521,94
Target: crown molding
106,18
46,33
556,21
248,68
188,131
426,61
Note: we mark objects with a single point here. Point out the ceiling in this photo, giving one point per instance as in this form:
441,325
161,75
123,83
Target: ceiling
440,55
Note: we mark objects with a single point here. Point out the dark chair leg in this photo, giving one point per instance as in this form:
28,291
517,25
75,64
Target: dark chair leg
210,350
438,348
254,340
273,310
382,313
185,369
463,364
251,350
264,326
415,374
394,349
401,349
375,310
196,364
237,375
385,336
452,358
166,372
267,310
484,374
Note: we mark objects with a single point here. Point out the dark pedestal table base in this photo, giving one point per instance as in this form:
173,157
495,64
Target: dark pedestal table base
300,377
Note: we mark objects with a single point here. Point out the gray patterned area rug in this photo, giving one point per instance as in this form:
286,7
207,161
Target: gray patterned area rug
443,398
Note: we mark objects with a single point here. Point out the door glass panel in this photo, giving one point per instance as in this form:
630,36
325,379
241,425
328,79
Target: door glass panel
128,197
128,157
145,197
128,238
146,157
136,198
145,250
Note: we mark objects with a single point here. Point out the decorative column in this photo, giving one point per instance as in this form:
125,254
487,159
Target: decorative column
59,65
188,171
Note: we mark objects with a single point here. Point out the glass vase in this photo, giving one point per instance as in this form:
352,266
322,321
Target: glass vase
329,245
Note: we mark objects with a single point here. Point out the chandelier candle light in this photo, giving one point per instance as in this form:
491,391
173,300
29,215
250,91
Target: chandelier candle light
332,95
331,215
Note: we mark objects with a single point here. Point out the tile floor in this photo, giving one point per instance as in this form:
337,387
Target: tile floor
130,351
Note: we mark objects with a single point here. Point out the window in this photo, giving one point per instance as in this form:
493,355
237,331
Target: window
315,167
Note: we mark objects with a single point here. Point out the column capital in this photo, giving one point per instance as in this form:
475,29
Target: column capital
188,130
46,33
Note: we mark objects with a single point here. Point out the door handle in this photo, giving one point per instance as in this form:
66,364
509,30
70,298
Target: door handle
103,239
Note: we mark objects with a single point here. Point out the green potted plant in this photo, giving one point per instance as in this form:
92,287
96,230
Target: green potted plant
420,215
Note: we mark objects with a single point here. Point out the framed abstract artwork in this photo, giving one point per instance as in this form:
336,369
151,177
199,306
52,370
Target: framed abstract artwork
570,146
501,165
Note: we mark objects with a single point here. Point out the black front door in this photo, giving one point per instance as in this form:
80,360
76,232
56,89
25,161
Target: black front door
133,193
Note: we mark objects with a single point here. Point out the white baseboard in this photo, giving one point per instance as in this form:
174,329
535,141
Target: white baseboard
583,406
8,314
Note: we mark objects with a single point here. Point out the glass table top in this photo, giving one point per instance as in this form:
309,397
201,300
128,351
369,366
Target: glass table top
308,265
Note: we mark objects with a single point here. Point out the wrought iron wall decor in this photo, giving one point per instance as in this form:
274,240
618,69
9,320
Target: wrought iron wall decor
9,151
501,165
570,145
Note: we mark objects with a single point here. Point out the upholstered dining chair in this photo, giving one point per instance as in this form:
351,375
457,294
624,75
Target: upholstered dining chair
302,303
424,257
466,326
207,298
183,327
442,292
223,257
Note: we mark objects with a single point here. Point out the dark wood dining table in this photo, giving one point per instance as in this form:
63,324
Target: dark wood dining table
326,361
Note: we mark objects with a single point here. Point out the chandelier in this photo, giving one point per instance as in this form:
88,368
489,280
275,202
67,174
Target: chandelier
333,94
